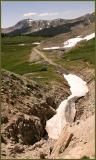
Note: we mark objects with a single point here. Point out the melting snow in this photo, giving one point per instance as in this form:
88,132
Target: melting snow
37,43
51,48
89,36
78,88
22,44
72,42
30,20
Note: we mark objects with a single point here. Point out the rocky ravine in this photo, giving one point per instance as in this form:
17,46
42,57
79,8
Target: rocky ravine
26,106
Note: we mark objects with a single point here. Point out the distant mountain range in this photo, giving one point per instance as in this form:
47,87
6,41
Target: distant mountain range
48,27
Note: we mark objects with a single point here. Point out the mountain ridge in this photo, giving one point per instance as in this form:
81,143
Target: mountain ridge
48,27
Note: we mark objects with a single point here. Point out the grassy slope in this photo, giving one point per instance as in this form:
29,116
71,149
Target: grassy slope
15,58
83,55
21,39
84,51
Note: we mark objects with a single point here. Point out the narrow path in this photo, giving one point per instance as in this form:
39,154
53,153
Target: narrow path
42,55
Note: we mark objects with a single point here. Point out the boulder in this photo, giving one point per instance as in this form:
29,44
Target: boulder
4,119
25,129
50,101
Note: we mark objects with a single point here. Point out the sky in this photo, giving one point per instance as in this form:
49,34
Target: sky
12,12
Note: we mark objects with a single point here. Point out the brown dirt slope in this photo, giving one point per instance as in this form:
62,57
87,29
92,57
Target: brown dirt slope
25,108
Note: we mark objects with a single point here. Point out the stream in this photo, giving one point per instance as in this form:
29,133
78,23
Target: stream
66,110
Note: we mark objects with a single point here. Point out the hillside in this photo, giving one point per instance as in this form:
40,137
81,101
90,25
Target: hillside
26,105
49,27
21,63
33,87
29,100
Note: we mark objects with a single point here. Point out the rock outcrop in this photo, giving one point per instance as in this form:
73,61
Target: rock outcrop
25,129
26,107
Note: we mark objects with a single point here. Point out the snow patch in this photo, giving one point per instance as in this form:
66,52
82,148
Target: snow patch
89,36
30,20
22,44
72,42
37,43
78,88
51,48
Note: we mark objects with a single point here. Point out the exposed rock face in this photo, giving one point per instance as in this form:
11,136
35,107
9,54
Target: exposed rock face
4,119
25,129
26,107
48,27
50,101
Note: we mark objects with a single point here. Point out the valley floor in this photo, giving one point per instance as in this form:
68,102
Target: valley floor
30,99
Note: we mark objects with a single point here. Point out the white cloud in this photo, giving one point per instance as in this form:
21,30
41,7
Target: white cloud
48,14
30,14
43,14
